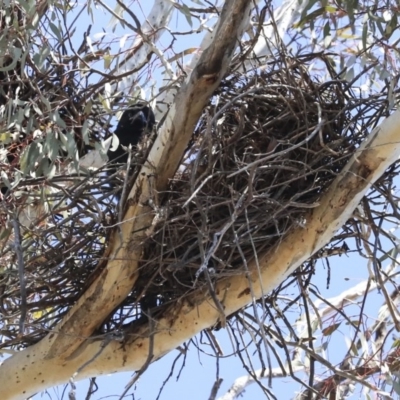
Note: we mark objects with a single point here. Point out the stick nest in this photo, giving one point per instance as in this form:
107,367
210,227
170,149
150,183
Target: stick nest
264,150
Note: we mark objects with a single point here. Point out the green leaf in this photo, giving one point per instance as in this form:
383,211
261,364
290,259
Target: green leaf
379,25
88,107
308,7
37,109
327,29
4,234
396,386
55,117
105,103
353,349
327,35
85,132
107,95
49,170
391,27
350,12
51,146
42,166
396,343
330,329
185,10
107,58
330,9
310,17
64,141
56,31
374,17
5,137
5,179
40,58
349,75
364,36
30,157
45,102
71,146
13,64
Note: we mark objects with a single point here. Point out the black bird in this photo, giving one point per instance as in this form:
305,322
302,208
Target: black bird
135,122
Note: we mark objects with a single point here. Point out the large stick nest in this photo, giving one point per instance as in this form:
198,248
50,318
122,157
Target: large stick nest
263,152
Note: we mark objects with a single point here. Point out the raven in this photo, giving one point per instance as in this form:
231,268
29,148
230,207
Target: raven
135,122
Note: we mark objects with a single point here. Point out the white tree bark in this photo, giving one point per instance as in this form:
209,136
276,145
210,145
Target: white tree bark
151,32
284,16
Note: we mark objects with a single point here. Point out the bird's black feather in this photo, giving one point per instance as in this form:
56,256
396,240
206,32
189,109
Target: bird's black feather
135,122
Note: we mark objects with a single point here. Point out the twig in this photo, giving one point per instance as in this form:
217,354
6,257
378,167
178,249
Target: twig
21,272
218,236
279,153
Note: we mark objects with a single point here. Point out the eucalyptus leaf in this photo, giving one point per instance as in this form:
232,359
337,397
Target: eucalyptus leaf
85,132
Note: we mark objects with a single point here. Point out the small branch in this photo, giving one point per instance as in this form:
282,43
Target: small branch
279,153
241,383
215,388
21,272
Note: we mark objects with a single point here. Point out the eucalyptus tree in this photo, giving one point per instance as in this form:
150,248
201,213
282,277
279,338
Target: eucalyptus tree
274,150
